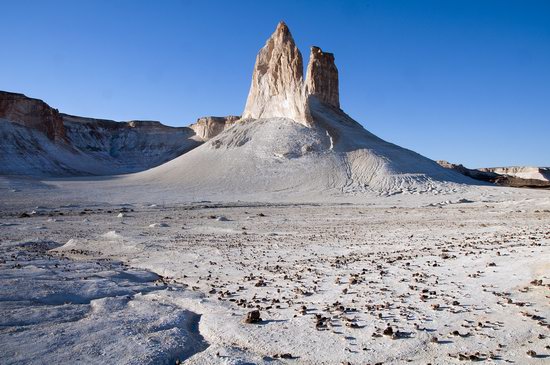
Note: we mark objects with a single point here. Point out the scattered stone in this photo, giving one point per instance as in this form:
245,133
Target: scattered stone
253,317
283,356
156,225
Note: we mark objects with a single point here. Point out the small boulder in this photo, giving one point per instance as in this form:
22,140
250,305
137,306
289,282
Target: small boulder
253,317
157,225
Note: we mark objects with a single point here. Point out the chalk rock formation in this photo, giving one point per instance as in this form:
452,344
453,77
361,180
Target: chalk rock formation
516,176
294,139
38,140
322,77
277,80
209,127
523,172
473,173
278,89
32,113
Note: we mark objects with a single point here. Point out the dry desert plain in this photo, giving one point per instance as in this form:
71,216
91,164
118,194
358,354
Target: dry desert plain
425,278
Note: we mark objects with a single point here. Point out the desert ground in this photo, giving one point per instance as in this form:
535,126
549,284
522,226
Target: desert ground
421,278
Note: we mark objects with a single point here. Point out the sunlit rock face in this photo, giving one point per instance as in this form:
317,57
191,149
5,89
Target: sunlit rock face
32,113
277,80
209,127
38,140
322,77
278,89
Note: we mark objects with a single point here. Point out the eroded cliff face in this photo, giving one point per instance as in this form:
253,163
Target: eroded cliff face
38,140
278,87
277,80
515,176
32,113
524,172
209,127
322,77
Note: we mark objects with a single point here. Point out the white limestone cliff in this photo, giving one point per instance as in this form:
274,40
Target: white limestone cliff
322,77
277,80
278,89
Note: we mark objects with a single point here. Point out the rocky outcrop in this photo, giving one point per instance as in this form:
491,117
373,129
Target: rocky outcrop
473,173
32,113
278,89
322,77
502,176
38,140
518,182
277,80
523,172
209,127
124,147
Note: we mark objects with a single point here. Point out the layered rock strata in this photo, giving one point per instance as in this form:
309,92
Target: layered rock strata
277,80
209,127
533,176
38,140
322,77
32,113
523,172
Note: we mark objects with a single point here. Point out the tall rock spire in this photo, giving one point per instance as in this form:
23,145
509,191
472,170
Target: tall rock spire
278,88
277,81
322,77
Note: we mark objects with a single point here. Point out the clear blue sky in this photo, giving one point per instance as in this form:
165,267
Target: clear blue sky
467,81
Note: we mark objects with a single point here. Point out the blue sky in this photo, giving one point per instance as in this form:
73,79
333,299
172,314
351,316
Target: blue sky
467,81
